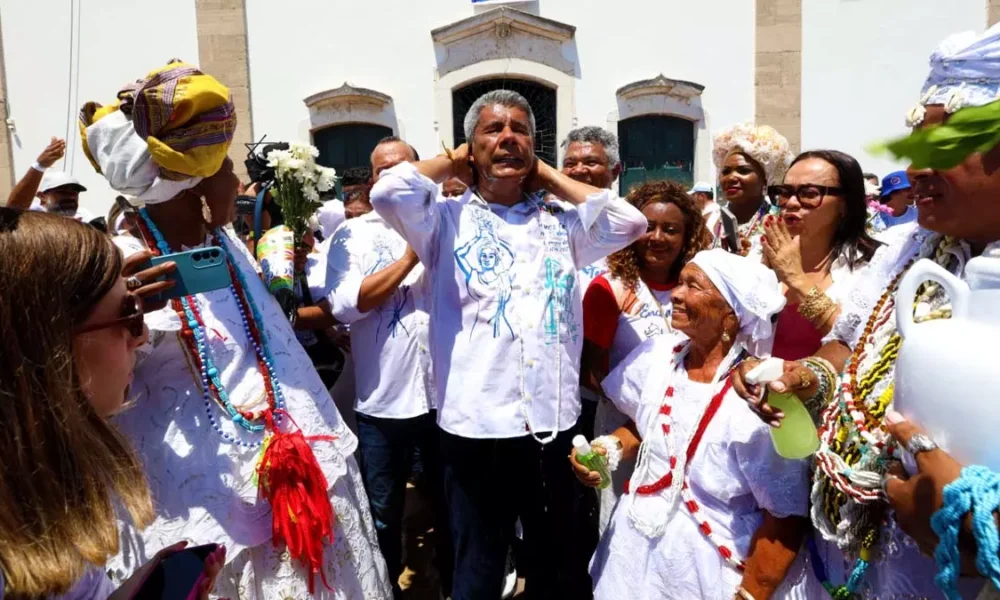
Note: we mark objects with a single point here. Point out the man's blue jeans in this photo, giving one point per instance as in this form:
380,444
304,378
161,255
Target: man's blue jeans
387,447
489,485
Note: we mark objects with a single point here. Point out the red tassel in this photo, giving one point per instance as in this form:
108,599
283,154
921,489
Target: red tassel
290,478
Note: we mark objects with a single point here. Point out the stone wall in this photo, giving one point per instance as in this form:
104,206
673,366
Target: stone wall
222,53
778,67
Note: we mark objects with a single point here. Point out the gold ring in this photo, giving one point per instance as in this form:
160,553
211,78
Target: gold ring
803,378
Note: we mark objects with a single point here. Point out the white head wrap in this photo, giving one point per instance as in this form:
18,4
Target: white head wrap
125,161
965,71
762,143
750,289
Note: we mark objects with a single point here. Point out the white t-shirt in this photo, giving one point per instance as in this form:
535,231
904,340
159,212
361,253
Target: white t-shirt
392,364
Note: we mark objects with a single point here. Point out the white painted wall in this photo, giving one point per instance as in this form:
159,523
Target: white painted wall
48,81
300,47
863,64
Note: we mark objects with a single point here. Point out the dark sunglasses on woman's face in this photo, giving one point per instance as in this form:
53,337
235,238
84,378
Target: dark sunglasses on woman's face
131,317
810,195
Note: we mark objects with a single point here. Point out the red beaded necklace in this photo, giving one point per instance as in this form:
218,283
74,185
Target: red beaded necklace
190,343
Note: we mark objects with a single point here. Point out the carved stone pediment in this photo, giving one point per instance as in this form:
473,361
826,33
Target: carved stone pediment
503,33
660,86
347,96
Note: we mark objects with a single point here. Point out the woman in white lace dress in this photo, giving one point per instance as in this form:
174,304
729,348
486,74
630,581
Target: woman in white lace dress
711,510
223,372
631,302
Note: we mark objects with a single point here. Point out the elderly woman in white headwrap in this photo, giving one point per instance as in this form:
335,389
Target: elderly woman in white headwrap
224,387
749,158
712,511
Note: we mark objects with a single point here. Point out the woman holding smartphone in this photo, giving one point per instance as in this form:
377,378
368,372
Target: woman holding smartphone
240,440
71,330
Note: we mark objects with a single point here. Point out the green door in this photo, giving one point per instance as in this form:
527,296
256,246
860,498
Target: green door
656,147
348,146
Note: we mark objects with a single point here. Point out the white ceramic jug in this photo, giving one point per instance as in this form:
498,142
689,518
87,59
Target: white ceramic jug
948,370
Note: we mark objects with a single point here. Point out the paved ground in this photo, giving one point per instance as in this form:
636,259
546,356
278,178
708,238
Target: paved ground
419,579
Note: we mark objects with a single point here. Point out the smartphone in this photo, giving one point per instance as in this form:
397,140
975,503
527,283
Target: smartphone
177,576
199,270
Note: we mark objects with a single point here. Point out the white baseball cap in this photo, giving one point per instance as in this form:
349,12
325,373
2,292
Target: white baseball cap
703,187
58,179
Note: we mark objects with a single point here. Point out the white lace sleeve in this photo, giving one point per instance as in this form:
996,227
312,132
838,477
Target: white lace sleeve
625,384
857,303
780,486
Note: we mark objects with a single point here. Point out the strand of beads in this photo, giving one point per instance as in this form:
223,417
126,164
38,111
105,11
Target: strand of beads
725,551
193,335
642,468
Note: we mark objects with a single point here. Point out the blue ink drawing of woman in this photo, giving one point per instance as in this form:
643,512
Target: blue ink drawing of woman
486,262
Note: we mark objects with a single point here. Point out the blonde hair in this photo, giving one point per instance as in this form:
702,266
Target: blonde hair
63,465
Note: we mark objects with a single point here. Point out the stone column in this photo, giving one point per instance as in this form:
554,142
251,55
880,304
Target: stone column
778,67
7,175
222,53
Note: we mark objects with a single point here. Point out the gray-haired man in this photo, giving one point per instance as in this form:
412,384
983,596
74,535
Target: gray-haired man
506,331
590,155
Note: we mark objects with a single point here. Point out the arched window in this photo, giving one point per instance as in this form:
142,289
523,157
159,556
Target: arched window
541,98
656,147
348,145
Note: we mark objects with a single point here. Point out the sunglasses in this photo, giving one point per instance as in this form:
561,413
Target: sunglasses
131,317
810,195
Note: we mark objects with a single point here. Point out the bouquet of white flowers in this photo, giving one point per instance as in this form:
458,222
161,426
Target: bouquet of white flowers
298,182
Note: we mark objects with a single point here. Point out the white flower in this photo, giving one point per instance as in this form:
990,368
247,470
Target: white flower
278,159
310,193
916,116
956,101
303,151
327,178
928,94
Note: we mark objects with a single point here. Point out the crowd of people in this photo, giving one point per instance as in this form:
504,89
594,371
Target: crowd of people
469,317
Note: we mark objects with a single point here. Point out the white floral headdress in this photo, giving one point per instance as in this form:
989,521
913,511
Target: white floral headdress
760,142
965,71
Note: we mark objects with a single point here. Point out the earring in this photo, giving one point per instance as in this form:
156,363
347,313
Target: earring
725,337
206,212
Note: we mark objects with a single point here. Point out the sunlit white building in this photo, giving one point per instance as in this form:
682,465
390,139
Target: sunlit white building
663,74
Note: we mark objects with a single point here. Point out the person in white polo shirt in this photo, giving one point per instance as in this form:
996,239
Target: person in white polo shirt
506,333
380,289
590,155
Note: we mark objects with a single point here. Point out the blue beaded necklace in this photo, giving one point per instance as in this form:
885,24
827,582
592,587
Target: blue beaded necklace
209,373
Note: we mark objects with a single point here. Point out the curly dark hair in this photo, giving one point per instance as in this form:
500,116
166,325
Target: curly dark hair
625,263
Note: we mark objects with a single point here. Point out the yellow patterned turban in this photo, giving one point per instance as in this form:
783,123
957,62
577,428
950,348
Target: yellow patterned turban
165,133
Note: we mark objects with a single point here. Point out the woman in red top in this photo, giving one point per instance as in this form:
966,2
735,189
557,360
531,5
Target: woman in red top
631,302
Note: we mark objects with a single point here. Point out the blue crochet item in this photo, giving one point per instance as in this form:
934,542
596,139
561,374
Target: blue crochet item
977,491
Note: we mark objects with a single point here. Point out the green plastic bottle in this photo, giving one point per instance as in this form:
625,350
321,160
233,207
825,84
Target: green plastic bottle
586,456
797,436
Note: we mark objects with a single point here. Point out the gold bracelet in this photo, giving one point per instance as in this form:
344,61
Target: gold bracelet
817,307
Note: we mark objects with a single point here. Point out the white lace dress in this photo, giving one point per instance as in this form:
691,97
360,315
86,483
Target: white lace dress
735,476
203,487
